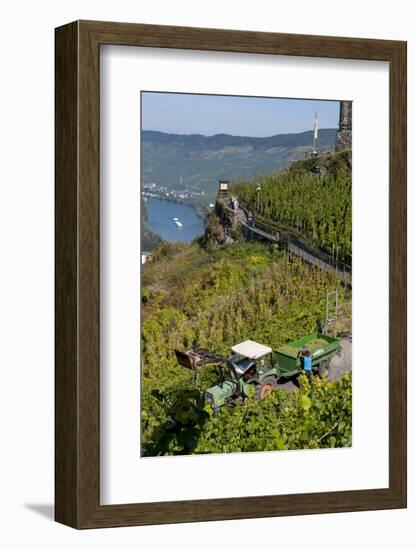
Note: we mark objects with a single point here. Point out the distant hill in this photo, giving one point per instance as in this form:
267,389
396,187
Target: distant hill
202,160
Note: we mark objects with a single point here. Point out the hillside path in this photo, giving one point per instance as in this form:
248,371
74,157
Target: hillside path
294,245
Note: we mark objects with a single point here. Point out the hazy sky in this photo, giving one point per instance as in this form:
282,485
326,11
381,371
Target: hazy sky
242,116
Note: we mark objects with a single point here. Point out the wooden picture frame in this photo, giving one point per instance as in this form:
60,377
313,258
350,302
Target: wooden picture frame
77,372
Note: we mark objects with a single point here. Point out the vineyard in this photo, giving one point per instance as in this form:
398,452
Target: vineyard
318,208
216,297
316,417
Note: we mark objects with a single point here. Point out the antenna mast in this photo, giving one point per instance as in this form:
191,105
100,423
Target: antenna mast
315,131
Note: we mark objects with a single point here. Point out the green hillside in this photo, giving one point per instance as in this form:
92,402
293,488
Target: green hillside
314,197
202,160
216,297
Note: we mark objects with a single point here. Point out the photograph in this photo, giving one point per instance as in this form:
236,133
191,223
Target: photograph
209,265
246,273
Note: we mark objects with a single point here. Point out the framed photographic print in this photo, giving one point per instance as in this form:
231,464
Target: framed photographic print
230,274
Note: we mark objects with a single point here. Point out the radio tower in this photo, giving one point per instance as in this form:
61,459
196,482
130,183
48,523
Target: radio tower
315,131
315,153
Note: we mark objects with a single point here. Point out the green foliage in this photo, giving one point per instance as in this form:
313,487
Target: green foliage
185,416
166,249
316,416
216,297
334,164
201,160
318,208
312,346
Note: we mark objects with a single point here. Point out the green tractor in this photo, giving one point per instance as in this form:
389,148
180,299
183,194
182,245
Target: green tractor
253,366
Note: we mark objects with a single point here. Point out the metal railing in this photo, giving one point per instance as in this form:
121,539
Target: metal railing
306,252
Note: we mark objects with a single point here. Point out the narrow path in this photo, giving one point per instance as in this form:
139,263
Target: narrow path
345,276
268,235
294,246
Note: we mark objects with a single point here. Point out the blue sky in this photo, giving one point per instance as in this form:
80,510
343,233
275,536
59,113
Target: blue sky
242,116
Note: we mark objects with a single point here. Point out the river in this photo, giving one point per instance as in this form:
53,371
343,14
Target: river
160,214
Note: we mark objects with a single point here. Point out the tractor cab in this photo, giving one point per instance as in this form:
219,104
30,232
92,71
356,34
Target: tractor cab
249,360
242,367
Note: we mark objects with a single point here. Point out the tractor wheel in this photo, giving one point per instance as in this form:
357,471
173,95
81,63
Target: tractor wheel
324,369
265,388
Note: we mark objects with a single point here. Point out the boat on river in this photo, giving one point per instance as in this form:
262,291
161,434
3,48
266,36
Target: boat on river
177,222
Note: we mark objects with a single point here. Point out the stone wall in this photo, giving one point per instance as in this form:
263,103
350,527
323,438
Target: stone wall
344,134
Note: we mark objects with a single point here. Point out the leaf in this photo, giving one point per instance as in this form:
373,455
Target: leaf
305,402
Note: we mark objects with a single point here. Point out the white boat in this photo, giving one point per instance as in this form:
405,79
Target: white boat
177,222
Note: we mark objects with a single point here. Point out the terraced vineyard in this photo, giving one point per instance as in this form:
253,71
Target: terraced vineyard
319,208
216,297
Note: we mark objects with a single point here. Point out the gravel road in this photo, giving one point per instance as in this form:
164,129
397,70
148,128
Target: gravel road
342,364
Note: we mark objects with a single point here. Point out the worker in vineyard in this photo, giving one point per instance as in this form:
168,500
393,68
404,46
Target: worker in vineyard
306,362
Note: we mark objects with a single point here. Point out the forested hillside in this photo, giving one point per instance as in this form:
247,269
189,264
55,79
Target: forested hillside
216,297
199,161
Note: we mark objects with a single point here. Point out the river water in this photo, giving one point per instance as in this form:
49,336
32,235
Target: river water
160,214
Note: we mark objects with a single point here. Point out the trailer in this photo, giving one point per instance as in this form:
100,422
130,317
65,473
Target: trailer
322,348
